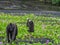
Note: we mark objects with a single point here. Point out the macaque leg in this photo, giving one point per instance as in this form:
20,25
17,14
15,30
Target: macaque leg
14,36
8,36
31,29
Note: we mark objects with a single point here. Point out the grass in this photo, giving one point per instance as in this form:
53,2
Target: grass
48,27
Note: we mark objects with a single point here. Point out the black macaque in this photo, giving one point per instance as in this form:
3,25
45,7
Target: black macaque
30,24
11,31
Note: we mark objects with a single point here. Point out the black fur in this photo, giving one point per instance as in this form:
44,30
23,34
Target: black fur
30,24
11,31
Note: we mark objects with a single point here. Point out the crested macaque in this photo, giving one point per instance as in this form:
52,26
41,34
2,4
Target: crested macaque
11,31
30,25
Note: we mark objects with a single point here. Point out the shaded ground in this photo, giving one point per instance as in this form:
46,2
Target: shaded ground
22,12
28,5
35,40
30,40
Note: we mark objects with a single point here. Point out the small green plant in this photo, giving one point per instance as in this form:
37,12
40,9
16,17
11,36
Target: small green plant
48,27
